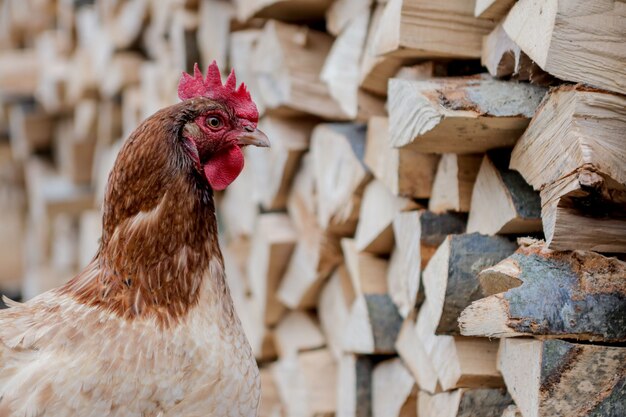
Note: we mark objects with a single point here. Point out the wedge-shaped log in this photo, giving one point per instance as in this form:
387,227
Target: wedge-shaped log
451,277
483,402
269,404
287,62
454,181
333,310
297,332
405,172
342,65
354,385
340,175
574,153
372,326
549,33
315,257
446,362
459,114
417,235
502,202
273,243
591,301
242,44
374,232
394,392
423,29
307,384
274,170
558,378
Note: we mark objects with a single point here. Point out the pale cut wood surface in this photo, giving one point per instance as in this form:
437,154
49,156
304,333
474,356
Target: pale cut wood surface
343,12
374,232
550,34
562,378
333,311
287,62
417,235
340,175
459,114
404,171
502,202
394,392
367,271
297,332
341,67
454,182
423,29
354,385
590,304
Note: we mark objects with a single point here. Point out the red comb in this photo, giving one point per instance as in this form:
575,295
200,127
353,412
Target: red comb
238,98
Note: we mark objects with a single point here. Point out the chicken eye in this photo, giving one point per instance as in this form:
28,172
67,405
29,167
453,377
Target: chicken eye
214,122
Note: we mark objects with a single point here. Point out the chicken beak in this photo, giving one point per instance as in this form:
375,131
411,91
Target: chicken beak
254,137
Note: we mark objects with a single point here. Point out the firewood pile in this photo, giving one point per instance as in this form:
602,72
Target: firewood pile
438,229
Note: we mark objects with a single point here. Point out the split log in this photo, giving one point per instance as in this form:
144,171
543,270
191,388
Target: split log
376,70
464,402
76,144
372,326
354,386
272,246
451,277
123,24
90,230
307,384
417,235
287,62
248,308
415,356
343,12
548,32
420,29
374,232
492,9
242,44
454,182
342,65
213,34
333,310
315,257
446,362
394,392
404,171
122,71
292,10
591,301
502,202
558,378
340,175
19,72
367,271
578,163
459,115
239,208
275,169
297,332
30,130
302,197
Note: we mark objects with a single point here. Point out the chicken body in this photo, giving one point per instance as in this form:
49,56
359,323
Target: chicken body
61,358
148,328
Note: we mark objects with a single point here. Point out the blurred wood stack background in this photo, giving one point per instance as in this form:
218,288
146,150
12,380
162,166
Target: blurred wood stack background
438,229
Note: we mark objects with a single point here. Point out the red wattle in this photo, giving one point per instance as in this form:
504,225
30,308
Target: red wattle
224,167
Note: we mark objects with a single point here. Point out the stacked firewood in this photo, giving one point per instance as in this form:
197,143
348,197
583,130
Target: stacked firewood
438,229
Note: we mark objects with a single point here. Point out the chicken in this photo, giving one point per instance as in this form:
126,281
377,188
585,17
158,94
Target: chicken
148,327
